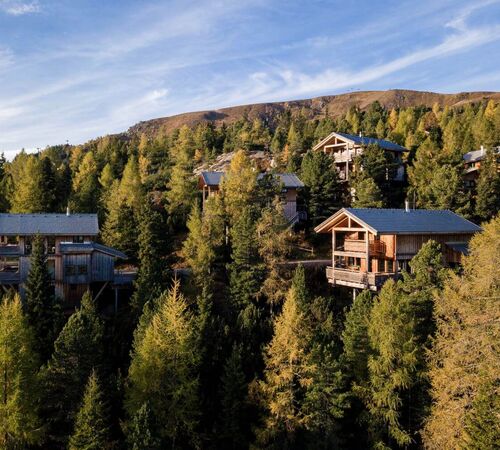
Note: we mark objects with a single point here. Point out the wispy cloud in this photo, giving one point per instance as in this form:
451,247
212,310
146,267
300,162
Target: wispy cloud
19,8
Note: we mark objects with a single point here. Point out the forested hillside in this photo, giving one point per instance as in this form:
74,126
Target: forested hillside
242,350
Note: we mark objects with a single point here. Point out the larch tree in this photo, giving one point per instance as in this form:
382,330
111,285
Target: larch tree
27,194
163,370
465,361
43,311
85,191
238,185
181,188
274,245
92,430
392,366
77,350
20,424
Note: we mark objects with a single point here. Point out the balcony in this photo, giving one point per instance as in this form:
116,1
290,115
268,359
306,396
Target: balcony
357,279
376,248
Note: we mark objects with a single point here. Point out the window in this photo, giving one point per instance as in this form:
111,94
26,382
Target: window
69,270
77,239
51,245
27,245
389,266
82,270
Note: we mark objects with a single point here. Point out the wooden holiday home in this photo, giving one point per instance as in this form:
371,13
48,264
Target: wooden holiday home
344,148
75,261
209,182
370,246
472,165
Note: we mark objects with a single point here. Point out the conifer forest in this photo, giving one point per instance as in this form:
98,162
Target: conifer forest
230,336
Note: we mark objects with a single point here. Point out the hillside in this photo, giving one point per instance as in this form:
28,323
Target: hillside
336,105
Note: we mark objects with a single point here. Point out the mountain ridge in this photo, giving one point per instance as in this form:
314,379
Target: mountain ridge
316,107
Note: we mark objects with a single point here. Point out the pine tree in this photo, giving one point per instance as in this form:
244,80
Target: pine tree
141,434
20,425
164,367
48,185
488,188
43,311
465,361
367,194
91,430
77,350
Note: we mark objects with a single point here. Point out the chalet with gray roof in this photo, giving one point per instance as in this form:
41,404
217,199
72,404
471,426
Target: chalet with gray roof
344,148
472,165
209,183
76,262
370,246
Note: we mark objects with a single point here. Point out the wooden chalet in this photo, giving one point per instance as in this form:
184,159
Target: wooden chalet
370,246
472,165
209,182
345,147
75,261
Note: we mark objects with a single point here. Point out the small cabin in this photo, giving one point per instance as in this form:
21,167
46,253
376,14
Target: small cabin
370,246
472,165
75,261
209,182
344,148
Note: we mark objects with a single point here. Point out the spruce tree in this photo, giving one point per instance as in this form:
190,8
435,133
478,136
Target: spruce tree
91,430
150,280
322,188
234,413
43,312
77,350
20,425
367,194
163,370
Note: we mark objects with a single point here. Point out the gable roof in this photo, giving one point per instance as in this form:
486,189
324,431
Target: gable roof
362,141
89,247
478,155
211,178
399,221
289,180
49,224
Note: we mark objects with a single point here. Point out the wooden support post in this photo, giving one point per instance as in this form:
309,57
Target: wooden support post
367,256
116,299
333,254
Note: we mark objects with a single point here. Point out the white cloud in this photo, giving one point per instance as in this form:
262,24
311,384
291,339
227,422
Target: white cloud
19,8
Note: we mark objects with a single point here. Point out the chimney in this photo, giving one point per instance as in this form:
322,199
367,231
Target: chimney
407,205
482,150
67,211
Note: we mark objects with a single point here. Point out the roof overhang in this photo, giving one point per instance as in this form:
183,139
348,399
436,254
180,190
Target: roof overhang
330,136
327,225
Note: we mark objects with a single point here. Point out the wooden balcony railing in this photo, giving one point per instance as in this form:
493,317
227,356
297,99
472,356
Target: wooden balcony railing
376,248
355,278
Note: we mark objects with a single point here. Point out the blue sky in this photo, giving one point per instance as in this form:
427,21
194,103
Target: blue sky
71,70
